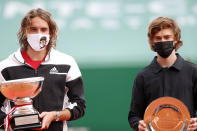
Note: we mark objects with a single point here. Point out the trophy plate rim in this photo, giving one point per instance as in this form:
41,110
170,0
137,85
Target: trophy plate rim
21,88
150,113
23,80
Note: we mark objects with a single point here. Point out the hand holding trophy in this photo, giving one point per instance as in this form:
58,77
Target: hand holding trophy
21,92
167,114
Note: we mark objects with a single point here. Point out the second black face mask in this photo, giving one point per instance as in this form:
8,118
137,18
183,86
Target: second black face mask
164,48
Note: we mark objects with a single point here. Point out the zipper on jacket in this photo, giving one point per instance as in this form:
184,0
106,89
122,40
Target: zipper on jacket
36,72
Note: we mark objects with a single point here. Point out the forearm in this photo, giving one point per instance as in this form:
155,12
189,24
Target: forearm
62,115
2,110
54,116
134,121
2,117
76,98
138,103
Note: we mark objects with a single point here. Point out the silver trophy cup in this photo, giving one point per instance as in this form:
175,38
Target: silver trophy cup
21,92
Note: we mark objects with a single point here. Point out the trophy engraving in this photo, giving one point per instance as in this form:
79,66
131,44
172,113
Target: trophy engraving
21,91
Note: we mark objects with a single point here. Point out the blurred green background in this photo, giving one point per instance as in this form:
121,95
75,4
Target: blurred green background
108,39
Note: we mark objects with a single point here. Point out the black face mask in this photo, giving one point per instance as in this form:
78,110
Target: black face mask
164,48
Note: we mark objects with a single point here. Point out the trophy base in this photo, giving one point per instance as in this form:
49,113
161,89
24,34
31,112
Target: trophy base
25,122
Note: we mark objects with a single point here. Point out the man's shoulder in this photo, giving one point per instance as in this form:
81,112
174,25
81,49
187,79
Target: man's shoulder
190,64
145,71
186,63
61,57
7,62
60,53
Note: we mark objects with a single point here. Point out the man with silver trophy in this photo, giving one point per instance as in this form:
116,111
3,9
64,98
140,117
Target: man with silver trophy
20,91
41,88
168,75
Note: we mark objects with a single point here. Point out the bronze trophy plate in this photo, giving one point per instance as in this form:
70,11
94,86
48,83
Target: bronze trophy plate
167,114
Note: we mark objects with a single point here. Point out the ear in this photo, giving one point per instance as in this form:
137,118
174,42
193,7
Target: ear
175,40
175,44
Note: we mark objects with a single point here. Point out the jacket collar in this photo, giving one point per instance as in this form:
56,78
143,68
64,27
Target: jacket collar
18,56
155,66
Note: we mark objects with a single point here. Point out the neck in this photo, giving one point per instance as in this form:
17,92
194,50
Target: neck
167,62
36,55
